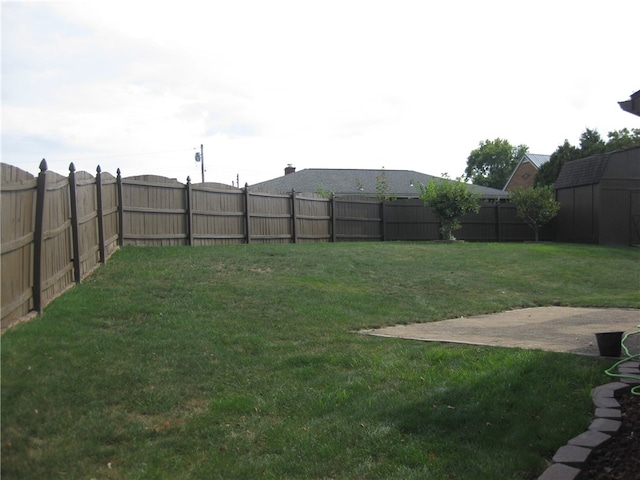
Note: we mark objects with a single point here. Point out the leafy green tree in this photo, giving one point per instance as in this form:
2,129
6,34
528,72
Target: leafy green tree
382,187
623,139
535,206
591,143
448,200
321,191
492,163
548,173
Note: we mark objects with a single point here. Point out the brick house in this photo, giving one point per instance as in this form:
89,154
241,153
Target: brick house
525,171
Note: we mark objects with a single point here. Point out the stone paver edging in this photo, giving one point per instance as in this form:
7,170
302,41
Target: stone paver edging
570,458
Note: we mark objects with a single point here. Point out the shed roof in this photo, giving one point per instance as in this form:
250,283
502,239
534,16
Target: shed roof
400,183
585,171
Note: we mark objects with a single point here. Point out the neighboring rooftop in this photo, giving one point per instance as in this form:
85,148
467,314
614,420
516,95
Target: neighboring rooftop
400,183
523,176
632,105
535,158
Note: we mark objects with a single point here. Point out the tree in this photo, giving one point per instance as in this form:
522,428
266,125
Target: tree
535,206
448,200
493,162
623,139
382,187
591,143
321,191
548,173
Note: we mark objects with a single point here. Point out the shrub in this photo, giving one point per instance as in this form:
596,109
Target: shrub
448,200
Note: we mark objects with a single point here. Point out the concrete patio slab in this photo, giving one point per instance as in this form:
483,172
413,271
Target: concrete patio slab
556,329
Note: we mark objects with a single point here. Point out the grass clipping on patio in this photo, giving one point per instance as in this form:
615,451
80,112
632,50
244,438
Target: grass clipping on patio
241,362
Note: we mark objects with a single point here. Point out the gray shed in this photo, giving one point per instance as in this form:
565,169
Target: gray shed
600,199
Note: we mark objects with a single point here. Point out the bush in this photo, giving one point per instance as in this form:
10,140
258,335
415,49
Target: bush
449,200
535,206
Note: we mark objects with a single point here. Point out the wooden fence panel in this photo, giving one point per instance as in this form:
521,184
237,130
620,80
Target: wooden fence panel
481,226
270,217
154,211
410,220
358,219
218,215
87,209
313,218
17,196
109,213
511,227
57,256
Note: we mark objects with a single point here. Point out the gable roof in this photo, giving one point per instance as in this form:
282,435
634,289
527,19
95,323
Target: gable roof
585,171
400,183
534,159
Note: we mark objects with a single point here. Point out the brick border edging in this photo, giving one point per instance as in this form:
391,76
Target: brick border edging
570,458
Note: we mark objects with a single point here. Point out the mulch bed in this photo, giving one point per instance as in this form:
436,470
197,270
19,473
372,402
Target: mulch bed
619,459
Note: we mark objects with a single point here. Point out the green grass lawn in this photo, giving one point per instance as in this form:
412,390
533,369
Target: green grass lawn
242,362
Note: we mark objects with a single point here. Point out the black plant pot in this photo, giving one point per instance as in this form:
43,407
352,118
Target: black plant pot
609,343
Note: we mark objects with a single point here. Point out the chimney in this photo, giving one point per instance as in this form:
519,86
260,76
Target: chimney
289,169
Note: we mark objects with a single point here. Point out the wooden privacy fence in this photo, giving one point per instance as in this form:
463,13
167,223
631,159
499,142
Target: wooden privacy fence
56,229
364,219
163,211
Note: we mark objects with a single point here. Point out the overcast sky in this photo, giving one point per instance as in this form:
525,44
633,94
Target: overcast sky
411,85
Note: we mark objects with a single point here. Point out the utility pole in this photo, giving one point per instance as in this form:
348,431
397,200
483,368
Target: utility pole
202,161
200,158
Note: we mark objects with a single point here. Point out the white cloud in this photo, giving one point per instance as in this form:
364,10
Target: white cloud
351,84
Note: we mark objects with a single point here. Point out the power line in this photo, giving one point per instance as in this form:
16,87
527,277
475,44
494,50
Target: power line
136,154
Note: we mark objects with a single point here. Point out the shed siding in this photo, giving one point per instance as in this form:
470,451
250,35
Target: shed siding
577,220
614,230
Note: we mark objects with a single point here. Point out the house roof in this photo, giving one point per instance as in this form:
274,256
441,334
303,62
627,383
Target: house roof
400,183
537,159
632,105
585,171
534,159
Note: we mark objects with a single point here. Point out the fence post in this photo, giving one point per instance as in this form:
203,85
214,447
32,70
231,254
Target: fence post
101,245
333,218
246,216
189,212
38,235
383,214
120,210
294,232
75,241
498,228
